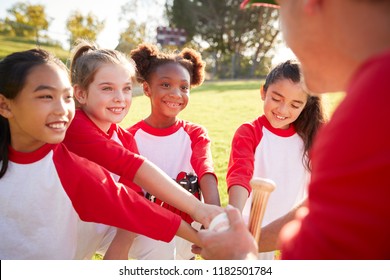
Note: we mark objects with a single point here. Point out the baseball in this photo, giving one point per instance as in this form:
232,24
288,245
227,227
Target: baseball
220,223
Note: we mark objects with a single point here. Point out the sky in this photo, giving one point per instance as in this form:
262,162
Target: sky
60,10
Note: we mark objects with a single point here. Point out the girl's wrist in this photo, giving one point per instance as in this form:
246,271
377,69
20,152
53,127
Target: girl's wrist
195,210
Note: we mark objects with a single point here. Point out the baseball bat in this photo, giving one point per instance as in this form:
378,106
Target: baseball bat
261,190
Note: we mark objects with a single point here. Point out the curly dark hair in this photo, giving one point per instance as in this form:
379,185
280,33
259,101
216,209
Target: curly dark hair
148,58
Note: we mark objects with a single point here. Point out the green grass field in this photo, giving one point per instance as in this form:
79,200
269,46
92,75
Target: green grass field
9,45
220,106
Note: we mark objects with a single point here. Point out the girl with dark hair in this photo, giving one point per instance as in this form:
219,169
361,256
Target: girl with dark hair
178,147
45,190
276,145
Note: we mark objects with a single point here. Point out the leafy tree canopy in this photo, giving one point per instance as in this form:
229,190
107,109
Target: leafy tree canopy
231,33
27,20
83,26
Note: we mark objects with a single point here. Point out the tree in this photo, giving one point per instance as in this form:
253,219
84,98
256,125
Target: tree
232,35
142,21
27,20
5,29
134,35
86,27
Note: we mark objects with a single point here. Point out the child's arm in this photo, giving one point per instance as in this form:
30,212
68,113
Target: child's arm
209,186
120,245
156,182
202,163
241,164
269,237
187,232
238,196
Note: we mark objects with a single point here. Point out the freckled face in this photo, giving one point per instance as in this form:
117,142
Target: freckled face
168,90
43,110
284,101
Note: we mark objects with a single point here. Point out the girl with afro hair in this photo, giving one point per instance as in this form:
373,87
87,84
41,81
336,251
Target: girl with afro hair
178,147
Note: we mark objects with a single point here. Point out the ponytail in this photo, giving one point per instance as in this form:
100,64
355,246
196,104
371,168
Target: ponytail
81,75
192,60
308,123
148,58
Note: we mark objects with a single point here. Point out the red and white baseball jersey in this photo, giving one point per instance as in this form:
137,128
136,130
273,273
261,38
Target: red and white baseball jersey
182,147
44,194
260,150
115,150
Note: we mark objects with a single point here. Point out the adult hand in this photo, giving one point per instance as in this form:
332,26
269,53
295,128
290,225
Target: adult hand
233,244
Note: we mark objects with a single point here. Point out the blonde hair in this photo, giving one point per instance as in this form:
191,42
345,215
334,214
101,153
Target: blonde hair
86,59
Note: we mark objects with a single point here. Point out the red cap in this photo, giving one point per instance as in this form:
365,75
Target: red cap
267,3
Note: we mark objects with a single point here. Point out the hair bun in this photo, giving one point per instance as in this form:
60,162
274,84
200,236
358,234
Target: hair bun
143,56
197,63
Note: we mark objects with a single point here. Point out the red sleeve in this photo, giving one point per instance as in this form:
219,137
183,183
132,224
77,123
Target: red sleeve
201,158
241,161
130,144
86,140
348,198
127,140
97,198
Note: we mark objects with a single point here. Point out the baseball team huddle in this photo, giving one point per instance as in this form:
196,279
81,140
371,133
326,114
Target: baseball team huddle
74,183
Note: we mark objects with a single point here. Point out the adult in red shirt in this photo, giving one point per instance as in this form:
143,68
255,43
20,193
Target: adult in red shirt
343,46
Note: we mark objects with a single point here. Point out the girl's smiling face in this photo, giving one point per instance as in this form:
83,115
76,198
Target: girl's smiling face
168,90
43,110
284,101
108,98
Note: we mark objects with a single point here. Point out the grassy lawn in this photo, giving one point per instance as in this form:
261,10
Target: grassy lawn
9,45
220,106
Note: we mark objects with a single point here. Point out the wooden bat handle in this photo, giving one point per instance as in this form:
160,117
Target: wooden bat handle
262,184
261,189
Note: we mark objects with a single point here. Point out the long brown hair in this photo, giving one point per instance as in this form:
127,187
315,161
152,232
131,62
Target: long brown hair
312,116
